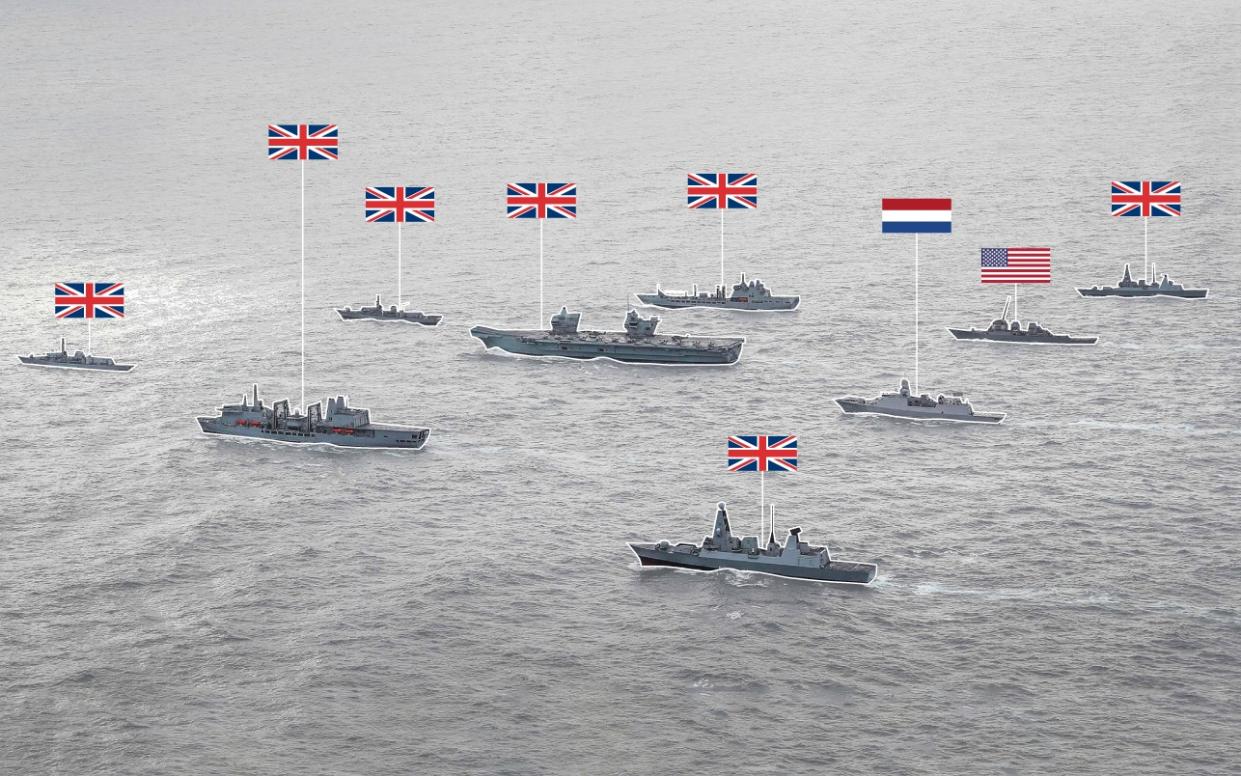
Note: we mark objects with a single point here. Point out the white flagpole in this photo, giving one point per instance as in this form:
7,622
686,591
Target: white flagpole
1014,301
89,351
398,263
915,312
762,506
540,274
723,282
303,287
1145,272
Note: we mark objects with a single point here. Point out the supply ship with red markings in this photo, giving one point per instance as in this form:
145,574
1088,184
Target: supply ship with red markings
341,425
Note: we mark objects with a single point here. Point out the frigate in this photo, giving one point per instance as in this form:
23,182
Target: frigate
1129,287
392,313
902,404
78,360
746,295
722,550
342,425
1004,330
637,344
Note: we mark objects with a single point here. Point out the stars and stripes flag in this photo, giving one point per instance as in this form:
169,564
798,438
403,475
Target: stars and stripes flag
722,190
1016,265
916,215
400,204
542,200
303,141
1146,198
89,300
762,453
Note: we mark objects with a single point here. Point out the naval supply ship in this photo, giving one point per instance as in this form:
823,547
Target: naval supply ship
901,404
1003,330
343,425
378,313
79,360
1129,287
722,550
637,344
746,295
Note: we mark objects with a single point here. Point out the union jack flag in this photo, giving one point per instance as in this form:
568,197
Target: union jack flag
762,453
387,204
722,190
1146,198
302,141
542,200
90,300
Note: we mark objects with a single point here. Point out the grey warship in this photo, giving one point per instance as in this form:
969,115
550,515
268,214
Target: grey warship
1004,330
1128,287
77,360
722,550
637,344
902,404
746,295
342,425
392,313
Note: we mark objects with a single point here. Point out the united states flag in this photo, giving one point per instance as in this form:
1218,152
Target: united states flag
89,300
762,453
399,204
302,141
542,200
1016,265
1146,198
722,190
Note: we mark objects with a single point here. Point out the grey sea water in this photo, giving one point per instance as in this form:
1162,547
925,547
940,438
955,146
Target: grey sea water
1058,594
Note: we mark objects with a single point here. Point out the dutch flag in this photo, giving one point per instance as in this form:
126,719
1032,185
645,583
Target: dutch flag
910,216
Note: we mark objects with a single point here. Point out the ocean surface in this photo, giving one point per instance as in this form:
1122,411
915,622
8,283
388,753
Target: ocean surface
1058,594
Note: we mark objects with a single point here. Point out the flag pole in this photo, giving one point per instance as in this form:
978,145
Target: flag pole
1014,301
89,351
303,286
540,273
398,260
723,282
915,312
762,505
1145,272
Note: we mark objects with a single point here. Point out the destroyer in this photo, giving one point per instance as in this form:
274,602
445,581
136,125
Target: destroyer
1130,287
1003,330
343,425
722,550
902,404
746,295
79,360
378,313
638,343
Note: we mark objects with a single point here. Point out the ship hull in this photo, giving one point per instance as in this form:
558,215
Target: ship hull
381,438
28,361
1021,339
852,406
357,315
836,571
623,350
775,304
1129,293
